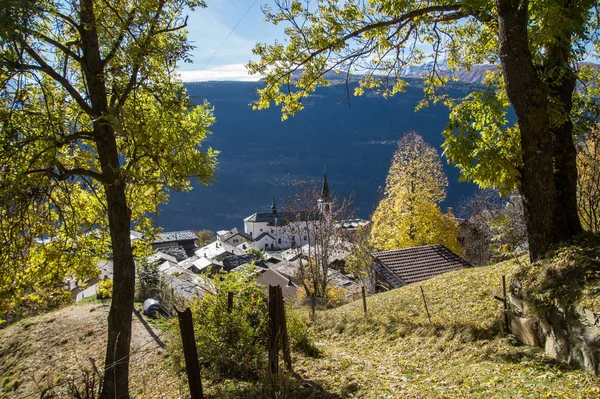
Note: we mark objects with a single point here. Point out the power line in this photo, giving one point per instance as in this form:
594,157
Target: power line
230,33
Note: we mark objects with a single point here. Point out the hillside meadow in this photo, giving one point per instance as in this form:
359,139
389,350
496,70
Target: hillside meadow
392,352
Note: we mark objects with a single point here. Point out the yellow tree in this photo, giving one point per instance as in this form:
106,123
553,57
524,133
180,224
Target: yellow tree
409,214
588,184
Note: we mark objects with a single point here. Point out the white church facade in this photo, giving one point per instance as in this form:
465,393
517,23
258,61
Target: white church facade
282,230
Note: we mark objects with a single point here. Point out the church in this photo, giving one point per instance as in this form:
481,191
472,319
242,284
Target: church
282,230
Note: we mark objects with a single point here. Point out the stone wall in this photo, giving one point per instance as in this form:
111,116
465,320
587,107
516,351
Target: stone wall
568,334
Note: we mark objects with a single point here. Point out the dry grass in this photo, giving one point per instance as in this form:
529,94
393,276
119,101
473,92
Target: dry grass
54,348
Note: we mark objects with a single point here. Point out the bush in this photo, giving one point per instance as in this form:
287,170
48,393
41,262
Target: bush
105,289
299,334
232,344
148,281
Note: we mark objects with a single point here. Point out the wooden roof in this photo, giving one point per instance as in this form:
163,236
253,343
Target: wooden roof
411,265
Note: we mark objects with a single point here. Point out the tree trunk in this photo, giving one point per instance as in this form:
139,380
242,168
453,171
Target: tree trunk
561,85
116,375
528,96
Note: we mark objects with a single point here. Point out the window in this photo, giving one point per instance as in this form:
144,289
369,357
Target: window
250,234
279,241
266,246
304,238
260,229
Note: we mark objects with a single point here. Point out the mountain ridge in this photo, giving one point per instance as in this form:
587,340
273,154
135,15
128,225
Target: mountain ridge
262,157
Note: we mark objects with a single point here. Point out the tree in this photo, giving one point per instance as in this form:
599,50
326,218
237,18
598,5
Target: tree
409,215
95,126
360,262
588,185
204,237
538,45
494,229
318,216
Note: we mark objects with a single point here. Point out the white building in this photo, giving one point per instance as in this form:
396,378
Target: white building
282,230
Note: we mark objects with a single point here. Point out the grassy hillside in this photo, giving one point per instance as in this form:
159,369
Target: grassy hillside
394,352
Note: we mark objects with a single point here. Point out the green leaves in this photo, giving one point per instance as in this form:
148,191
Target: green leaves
479,140
62,106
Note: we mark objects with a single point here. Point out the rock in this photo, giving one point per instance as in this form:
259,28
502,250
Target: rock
566,333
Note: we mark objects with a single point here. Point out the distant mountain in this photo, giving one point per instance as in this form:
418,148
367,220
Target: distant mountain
473,75
262,157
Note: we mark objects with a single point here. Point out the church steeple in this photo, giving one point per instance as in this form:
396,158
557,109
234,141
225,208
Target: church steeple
325,196
325,200
273,206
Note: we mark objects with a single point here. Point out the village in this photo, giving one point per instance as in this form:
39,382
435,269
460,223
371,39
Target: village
276,247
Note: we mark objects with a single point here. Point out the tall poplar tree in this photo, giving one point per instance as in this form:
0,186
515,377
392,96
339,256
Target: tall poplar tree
409,215
537,44
95,126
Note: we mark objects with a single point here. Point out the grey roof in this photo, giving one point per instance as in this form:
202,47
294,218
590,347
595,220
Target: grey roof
283,218
260,237
233,261
182,281
232,233
160,256
411,265
179,253
218,249
175,236
284,267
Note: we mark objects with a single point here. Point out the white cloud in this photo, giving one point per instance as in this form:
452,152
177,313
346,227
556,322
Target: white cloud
222,72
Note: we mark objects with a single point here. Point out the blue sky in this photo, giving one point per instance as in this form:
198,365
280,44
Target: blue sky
208,28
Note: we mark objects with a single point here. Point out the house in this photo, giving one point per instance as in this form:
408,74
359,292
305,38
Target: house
289,286
182,282
399,267
218,250
234,237
184,238
281,230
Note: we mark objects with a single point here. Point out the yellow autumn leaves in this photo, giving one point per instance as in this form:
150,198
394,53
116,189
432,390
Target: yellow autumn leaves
409,214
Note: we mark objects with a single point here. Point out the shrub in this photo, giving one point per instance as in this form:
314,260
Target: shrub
299,334
232,344
105,289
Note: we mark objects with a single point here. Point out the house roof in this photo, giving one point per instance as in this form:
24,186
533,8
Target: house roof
229,234
216,249
260,237
283,218
178,252
410,265
268,277
175,236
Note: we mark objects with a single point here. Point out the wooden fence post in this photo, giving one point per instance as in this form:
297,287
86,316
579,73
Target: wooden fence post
425,302
504,305
189,352
273,333
229,302
364,298
285,342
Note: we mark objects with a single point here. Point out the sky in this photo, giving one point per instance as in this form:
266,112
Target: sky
209,27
